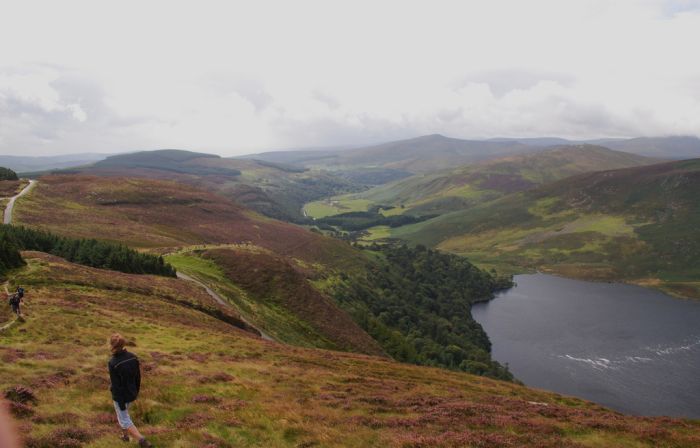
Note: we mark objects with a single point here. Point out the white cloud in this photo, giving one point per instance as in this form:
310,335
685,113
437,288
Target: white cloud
232,77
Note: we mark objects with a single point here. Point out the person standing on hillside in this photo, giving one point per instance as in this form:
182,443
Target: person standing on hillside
125,379
15,302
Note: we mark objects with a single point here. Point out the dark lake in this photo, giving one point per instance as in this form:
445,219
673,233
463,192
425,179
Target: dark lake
626,347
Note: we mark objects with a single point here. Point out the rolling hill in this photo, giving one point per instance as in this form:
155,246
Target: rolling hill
383,163
208,384
337,314
275,293
24,164
277,190
450,190
149,213
636,224
299,286
165,216
669,147
392,161
679,147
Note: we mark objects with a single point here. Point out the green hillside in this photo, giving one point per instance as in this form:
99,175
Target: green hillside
450,190
640,225
296,305
206,383
424,196
298,286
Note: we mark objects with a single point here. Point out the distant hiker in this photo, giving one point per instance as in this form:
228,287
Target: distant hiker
125,378
15,300
20,292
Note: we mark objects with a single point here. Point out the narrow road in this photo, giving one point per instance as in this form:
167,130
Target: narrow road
219,300
11,204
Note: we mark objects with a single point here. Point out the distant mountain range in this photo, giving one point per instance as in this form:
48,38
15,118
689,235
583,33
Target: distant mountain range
416,155
279,183
23,164
674,147
377,164
385,162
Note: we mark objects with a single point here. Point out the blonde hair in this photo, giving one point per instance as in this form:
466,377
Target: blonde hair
117,342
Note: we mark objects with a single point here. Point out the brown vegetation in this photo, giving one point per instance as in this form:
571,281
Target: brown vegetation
208,384
268,277
155,213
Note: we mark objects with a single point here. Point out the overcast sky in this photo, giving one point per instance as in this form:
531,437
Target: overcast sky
232,78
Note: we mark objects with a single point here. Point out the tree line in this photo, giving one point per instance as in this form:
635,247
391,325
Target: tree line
7,174
355,221
88,252
417,304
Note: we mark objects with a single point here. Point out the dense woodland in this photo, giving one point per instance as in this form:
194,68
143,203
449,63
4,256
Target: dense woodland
7,174
355,221
417,302
10,257
89,252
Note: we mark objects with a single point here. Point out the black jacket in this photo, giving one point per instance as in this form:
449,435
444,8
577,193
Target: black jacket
125,376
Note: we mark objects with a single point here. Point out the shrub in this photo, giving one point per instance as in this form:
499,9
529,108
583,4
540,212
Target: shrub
7,174
89,252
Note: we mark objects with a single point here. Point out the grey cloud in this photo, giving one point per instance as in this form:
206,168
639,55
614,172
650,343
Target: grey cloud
30,127
251,89
326,99
364,129
691,85
503,81
672,7
449,115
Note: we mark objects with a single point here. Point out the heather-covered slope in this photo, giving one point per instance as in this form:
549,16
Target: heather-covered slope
275,294
163,217
207,383
638,224
272,272
274,189
463,187
414,303
150,213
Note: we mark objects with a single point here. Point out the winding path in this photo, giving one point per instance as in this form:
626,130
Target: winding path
219,300
11,205
8,219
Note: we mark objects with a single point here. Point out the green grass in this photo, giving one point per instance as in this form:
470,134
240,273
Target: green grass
336,206
269,317
463,187
636,225
395,211
376,233
320,209
208,384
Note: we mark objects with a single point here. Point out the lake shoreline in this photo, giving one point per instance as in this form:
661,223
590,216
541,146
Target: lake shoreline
607,342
